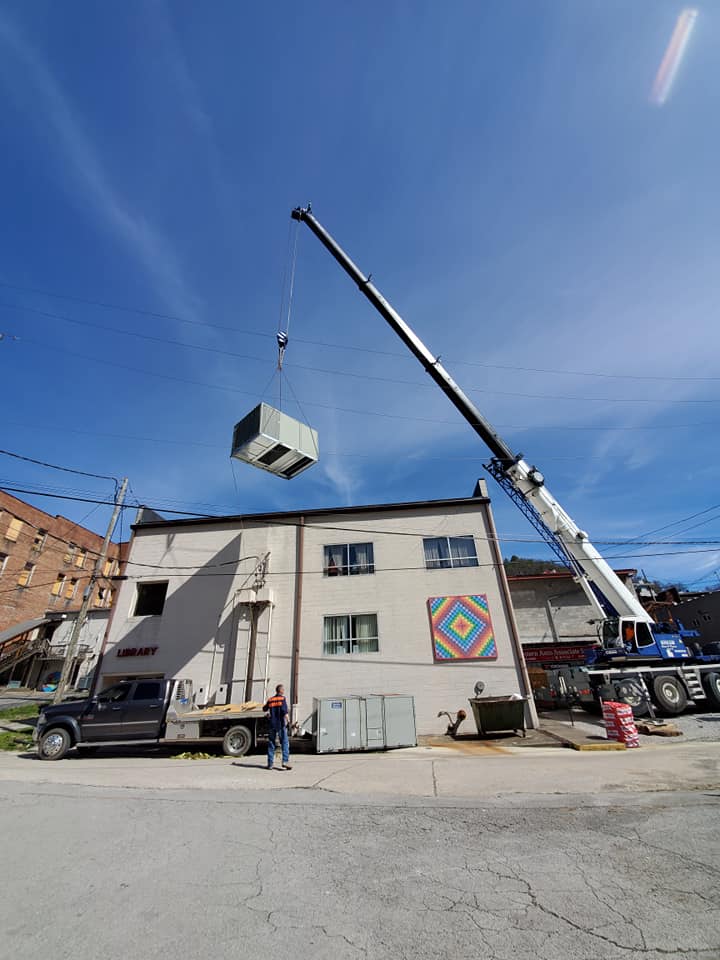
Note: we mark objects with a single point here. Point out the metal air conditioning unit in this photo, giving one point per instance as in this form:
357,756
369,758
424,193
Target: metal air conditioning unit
270,439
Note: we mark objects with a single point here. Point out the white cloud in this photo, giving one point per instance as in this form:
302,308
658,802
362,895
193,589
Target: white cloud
90,181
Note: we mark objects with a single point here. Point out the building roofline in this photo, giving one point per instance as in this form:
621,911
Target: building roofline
560,574
314,513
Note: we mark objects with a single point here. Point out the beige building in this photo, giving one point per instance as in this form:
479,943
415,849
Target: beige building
552,607
399,598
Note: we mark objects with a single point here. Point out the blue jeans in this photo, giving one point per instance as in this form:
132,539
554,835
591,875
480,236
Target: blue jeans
284,743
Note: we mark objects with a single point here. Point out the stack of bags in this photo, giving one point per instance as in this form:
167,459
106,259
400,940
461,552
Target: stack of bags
619,723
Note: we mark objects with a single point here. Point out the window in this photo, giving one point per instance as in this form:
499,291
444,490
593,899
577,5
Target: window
342,559
150,599
13,531
26,575
108,568
445,552
3,561
57,587
70,553
114,694
350,633
70,590
80,559
147,690
39,540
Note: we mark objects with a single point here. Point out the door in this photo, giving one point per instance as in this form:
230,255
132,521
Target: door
144,710
103,720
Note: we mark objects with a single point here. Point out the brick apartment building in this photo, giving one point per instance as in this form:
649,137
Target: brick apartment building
46,563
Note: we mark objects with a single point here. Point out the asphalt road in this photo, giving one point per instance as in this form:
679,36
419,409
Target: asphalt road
126,873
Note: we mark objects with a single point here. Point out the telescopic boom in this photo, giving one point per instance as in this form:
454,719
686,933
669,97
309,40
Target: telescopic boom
607,594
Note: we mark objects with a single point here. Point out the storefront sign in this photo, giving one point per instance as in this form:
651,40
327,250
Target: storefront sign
548,653
137,652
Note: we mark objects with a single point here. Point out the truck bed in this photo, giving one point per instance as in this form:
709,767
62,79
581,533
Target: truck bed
225,711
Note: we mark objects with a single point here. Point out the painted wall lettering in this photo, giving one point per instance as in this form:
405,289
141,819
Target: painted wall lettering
137,651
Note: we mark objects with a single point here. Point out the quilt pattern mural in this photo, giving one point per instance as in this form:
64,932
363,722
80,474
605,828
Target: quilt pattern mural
461,628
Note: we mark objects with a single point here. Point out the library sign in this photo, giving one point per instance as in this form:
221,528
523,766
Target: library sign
137,651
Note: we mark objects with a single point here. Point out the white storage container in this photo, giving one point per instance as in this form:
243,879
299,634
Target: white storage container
270,439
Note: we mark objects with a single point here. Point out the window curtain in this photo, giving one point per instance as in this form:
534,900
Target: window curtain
436,552
337,635
365,633
361,558
463,552
336,560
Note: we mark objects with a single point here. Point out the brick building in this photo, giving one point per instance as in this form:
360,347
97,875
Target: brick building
46,563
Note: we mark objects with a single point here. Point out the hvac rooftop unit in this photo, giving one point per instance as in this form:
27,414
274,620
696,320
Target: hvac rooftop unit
273,441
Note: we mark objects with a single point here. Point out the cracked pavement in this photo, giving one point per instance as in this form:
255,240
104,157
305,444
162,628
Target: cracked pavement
117,872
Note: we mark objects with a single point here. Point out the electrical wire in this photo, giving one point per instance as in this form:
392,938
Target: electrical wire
276,521
348,373
339,346
605,428
54,466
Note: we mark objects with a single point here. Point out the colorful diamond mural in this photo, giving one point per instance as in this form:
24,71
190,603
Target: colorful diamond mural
461,628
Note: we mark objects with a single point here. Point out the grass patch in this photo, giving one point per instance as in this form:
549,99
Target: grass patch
24,712
15,742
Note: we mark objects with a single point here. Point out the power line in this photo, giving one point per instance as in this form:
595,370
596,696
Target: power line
372,413
339,346
54,466
348,373
327,453
364,530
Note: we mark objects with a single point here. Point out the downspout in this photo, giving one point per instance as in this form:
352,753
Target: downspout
510,617
297,617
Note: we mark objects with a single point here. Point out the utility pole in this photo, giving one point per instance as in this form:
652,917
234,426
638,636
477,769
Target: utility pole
87,598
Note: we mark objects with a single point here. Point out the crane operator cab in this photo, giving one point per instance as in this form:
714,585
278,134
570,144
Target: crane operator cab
628,637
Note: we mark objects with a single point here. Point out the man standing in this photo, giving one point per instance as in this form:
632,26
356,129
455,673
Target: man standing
277,711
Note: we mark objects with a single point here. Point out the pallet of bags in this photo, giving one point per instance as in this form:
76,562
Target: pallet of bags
620,723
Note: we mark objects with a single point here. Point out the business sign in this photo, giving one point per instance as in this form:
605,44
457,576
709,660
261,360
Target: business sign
551,653
137,651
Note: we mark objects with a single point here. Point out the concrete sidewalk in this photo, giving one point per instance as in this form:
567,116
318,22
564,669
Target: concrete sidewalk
420,772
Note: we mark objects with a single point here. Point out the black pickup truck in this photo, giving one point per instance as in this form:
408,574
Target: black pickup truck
145,712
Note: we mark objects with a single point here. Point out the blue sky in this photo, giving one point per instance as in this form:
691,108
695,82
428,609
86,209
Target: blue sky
498,167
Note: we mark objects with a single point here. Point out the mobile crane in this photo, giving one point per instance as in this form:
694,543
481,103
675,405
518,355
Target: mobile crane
636,659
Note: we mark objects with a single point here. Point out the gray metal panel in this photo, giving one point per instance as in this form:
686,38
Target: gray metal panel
270,439
330,725
400,721
355,735
374,722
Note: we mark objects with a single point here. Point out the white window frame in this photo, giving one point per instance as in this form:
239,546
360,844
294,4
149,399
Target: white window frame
3,562
449,561
350,639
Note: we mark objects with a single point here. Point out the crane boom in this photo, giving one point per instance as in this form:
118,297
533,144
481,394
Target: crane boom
607,594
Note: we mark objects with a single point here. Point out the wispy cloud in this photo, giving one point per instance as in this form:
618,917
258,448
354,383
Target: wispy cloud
88,176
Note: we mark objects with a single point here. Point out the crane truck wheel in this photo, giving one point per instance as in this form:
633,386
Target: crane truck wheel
669,694
237,741
54,744
632,693
711,682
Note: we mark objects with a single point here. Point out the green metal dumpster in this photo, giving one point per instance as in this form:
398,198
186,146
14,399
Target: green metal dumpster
497,714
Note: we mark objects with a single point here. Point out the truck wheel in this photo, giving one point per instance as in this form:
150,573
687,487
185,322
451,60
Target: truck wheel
632,693
237,741
669,694
54,744
711,682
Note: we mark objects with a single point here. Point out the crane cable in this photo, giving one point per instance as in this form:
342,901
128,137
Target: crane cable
288,285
